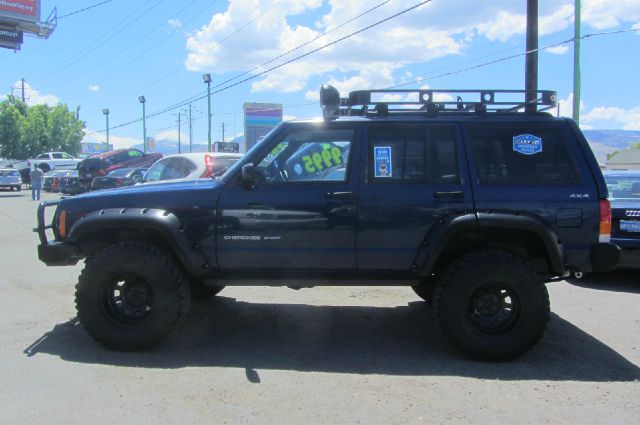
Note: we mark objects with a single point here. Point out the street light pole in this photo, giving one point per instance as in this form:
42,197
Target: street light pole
106,113
207,79
142,100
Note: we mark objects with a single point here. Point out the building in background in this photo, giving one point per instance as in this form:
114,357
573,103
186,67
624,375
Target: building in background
259,119
626,159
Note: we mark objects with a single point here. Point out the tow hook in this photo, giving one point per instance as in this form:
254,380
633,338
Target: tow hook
577,275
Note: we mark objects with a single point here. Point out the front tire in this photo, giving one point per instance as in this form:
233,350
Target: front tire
131,296
492,305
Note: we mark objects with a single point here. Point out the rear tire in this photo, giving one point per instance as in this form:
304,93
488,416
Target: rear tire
131,296
492,305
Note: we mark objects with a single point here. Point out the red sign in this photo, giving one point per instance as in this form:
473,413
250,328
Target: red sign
18,8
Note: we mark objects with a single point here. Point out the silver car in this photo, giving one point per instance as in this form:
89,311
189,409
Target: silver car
10,178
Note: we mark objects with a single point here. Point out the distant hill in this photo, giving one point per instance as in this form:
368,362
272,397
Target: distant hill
603,142
170,146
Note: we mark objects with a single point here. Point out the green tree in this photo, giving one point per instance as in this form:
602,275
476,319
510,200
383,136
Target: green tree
26,131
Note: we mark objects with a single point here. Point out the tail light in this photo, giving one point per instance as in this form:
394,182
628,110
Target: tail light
605,221
208,164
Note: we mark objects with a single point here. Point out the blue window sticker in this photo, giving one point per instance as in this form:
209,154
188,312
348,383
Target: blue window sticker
382,161
527,144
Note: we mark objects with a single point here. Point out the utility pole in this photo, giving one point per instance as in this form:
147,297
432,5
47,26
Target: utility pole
22,79
576,63
190,131
207,79
179,121
223,125
531,62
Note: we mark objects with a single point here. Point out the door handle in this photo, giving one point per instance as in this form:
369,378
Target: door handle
339,195
456,194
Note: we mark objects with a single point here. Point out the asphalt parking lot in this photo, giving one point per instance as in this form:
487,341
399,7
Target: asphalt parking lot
321,355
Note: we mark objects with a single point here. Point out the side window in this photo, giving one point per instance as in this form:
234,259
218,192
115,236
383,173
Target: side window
66,156
420,153
308,155
521,155
155,172
57,155
43,156
173,170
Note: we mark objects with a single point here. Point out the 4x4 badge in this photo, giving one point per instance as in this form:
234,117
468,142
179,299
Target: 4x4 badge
527,144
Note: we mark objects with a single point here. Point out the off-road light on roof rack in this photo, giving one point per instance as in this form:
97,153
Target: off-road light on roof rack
431,101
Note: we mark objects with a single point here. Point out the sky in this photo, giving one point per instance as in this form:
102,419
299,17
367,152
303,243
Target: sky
108,55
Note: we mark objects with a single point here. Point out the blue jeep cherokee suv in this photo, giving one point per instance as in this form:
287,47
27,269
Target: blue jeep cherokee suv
474,204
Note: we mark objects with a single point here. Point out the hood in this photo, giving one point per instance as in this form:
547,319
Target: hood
171,196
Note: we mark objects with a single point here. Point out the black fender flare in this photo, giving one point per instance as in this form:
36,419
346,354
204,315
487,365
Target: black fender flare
185,247
447,228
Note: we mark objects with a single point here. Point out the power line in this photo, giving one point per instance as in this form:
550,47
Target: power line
183,103
304,44
506,58
101,40
85,9
229,36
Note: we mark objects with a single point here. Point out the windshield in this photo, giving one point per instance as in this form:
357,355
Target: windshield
623,187
121,172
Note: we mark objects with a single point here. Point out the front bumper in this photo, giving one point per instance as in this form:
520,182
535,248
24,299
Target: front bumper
53,253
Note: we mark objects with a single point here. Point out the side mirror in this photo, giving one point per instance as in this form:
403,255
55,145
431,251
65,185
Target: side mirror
249,176
137,179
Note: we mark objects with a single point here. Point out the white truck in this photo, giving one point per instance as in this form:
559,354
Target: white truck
49,161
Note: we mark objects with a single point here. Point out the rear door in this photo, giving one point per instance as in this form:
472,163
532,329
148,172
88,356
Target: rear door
535,169
413,179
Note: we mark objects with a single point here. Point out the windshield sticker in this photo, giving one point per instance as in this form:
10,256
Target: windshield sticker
382,158
297,169
527,144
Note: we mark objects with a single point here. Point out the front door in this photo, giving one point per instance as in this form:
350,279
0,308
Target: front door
301,214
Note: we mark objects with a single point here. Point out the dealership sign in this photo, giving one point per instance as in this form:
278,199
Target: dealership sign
11,36
24,10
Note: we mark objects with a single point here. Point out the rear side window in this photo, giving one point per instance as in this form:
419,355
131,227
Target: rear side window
521,155
417,153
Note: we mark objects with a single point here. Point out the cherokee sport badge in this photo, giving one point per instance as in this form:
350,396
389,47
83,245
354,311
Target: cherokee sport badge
527,144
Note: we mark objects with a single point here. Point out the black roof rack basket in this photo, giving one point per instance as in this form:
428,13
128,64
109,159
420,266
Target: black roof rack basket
431,101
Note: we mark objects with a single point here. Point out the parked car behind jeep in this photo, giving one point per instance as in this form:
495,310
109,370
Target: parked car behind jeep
102,164
624,193
190,166
119,178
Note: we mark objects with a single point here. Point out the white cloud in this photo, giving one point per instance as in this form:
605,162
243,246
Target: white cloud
118,142
629,119
94,87
175,23
172,135
33,96
289,117
558,50
434,30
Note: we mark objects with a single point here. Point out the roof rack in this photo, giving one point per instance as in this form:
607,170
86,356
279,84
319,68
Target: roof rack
385,102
